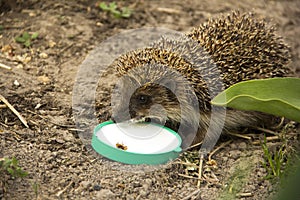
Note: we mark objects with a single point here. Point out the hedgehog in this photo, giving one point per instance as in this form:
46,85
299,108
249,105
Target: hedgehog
172,81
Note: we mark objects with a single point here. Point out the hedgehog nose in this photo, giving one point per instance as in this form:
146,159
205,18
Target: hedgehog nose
148,119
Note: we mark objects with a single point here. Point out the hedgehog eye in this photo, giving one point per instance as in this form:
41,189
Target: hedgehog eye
143,99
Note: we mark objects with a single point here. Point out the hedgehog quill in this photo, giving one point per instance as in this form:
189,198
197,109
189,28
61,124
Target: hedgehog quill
172,81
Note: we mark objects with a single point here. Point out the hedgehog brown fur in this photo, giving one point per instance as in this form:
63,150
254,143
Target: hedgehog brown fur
244,48
212,57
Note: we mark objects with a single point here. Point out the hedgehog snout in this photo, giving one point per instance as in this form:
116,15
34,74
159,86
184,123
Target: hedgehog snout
155,114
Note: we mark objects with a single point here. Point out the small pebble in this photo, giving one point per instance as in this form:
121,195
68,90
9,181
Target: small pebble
232,146
43,55
19,66
44,79
27,59
99,24
144,193
242,145
68,136
131,197
170,190
146,186
235,154
85,184
97,187
32,14
60,141
51,43
136,184
16,83
148,181
104,194
37,106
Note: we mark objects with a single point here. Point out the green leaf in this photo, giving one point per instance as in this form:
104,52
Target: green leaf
113,6
14,162
26,36
10,171
34,36
116,13
20,39
126,12
27,43
277,96
103,6
20,173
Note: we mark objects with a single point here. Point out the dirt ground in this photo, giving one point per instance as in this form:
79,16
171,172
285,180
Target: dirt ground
40,86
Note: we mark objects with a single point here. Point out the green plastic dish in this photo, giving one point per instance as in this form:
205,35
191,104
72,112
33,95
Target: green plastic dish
145,143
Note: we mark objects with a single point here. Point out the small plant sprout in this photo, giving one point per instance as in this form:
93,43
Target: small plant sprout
274,161
112,8
11,167
26,38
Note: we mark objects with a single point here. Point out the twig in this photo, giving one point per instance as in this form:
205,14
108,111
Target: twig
66,48
266,130
4,125
11,59
213,180
218,148
195,145
3,106
240,135
14,111
76,129
267,139
187,176
168,10
200,170
214,176
16,136
5,66
247,194
209,158
280,124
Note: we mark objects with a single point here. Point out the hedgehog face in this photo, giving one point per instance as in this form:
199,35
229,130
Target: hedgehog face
153,93
154,103
151,102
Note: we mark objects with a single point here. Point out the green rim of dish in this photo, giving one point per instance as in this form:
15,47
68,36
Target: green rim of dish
131,157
